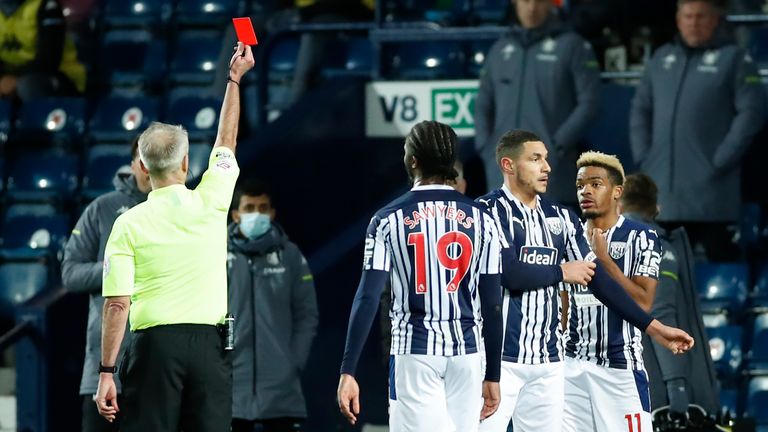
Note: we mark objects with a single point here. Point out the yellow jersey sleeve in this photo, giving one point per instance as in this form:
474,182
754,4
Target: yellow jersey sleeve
119,266
218,183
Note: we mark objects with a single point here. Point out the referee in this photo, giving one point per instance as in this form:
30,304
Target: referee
165,260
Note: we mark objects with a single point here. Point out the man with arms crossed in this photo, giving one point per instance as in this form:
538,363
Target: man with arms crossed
532,380
165,260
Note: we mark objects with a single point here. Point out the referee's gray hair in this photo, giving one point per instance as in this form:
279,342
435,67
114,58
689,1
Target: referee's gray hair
162,147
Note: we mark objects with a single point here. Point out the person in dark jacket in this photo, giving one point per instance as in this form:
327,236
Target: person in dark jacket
82,269
675,381
541,77
694,115
272,297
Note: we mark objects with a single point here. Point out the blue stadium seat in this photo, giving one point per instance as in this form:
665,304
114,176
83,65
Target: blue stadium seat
118,119
199,114
57,121
31,231
729,402
750,225
758,353
195,58
610,131
757,400
722,286
725,349
354,57
477,52
20,282
136,13
760,294
5,121
282,59
198,159
424,60
207,12
132,58
489,11
102,164
43,177
758,45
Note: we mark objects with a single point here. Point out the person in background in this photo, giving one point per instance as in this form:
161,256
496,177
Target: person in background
694,114
272,296
81,272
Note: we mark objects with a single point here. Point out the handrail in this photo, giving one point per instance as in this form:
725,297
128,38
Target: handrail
13,335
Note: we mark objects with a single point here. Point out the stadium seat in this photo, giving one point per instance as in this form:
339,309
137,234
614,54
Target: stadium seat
198,113
102,164
20,282
758,44
198,159
610,131
5,121
207,12
757,400
424,60
750,225
132,58
729,402
477,52
354,56
489,11
725,349
722,286
118,119
195,58
760,294
31,231
42,177
282,60
135,13
757,360
54,121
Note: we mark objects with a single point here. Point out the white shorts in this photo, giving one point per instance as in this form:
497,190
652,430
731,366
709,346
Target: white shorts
531,396
602,399
435,393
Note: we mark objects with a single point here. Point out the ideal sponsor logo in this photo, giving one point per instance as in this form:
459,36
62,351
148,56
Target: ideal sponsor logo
454,106
538,255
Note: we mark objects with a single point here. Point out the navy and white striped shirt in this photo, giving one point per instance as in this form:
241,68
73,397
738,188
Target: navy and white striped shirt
437,243
548,235
597,334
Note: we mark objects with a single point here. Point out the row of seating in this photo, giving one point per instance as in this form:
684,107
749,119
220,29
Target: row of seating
735,353
747,400
726,288
55,176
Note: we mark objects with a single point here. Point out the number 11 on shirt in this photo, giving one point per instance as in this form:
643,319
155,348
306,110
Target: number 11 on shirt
460,263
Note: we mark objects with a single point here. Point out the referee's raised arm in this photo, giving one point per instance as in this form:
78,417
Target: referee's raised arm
242,60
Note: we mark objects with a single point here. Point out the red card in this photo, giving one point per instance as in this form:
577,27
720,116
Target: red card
245,32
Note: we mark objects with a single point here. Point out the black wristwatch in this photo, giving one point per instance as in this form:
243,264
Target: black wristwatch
107,369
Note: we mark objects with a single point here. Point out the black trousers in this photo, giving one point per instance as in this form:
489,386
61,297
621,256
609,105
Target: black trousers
93,421
176,377
282,424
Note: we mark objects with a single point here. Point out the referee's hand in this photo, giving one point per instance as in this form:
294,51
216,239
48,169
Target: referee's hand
106,397
348,396
242,61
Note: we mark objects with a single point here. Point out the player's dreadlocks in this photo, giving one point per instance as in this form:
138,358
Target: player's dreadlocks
434,146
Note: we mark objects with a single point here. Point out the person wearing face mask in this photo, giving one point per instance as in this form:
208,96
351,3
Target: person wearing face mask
272,297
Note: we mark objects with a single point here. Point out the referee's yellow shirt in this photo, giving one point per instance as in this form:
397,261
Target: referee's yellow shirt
169,253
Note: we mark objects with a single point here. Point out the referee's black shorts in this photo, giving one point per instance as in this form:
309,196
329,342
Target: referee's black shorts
176,377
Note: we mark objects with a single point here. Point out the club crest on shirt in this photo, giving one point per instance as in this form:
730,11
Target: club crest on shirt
555,225
616,249
273,259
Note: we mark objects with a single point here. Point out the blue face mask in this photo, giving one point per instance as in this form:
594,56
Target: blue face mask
254,225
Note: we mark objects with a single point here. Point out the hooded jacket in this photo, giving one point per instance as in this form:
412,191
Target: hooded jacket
694,114
272,297
676,304
82,266
544,80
